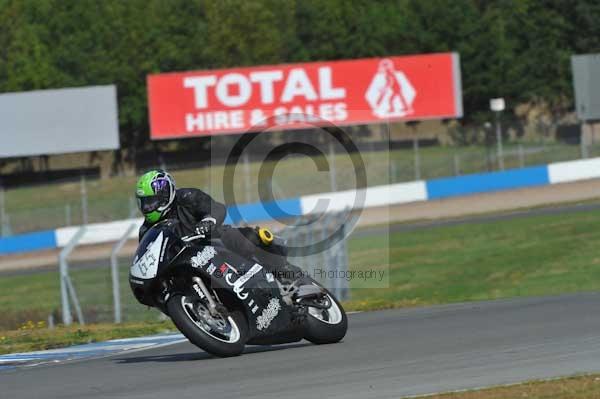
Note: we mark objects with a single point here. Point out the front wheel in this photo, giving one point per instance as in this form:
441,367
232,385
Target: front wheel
218,335
326,326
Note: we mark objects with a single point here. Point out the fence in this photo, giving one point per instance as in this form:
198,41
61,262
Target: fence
97,290
47,207
310,241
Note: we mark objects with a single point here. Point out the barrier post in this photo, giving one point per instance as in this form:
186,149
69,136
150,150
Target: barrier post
114,271
66,286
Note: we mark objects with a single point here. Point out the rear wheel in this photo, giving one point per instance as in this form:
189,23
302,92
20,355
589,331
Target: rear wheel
326,326
219,335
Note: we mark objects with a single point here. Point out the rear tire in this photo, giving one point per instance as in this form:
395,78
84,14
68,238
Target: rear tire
326,326
197,330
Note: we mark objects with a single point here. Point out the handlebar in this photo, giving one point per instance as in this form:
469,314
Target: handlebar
193,238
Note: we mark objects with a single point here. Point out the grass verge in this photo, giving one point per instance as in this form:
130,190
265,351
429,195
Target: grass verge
34,336
527,256
581,387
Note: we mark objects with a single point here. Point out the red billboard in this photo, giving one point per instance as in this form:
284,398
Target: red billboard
347,92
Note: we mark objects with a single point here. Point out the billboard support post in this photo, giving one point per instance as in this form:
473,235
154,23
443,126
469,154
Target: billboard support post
583,141
521,156
4,220
498,105
456,165
2,213
84,203
416,149
417,157
499,142
67,214
487,126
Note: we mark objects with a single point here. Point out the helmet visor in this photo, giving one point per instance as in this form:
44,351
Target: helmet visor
150,203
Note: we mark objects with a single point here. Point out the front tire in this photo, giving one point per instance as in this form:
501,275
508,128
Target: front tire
219,336
326,326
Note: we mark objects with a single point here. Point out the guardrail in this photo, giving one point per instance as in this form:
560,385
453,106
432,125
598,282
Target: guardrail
393,194
66,284
114,271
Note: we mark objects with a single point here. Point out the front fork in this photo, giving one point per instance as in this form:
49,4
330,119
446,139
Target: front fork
213,307
199,288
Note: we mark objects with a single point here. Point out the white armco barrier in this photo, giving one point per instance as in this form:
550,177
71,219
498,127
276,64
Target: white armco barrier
373,196
564,172
393,194
97,233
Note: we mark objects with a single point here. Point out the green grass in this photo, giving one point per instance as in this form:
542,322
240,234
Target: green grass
31,337
43,207
531,256
580,387
35,296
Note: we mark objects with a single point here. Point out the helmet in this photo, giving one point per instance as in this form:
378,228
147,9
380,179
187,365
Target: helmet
155,193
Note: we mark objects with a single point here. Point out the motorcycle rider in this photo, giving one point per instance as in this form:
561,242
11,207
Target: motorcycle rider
198,213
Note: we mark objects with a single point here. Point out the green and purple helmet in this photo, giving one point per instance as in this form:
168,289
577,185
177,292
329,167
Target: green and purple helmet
155,193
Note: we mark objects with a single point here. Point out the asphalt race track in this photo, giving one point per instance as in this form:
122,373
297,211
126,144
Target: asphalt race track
387,354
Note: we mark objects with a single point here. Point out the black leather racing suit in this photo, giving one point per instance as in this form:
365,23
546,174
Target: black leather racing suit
191,206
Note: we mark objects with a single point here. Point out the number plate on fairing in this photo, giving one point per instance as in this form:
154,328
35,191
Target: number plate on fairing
146,266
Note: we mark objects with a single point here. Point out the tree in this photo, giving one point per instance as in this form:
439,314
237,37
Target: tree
25,62
518,49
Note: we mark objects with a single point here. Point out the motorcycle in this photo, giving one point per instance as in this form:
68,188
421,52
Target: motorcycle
222,302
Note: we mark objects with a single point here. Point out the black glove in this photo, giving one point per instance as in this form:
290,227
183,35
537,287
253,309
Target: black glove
206,226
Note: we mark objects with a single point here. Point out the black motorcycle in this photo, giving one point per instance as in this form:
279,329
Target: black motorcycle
221,301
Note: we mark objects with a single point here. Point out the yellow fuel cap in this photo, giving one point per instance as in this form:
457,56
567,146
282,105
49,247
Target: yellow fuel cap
265,236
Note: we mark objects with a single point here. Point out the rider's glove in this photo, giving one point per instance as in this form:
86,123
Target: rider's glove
206,226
